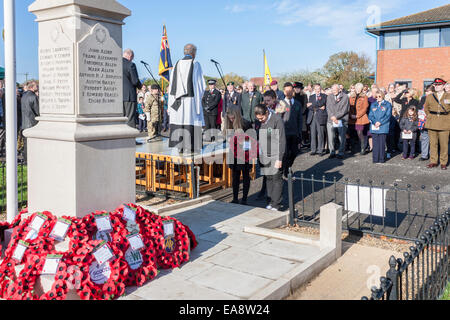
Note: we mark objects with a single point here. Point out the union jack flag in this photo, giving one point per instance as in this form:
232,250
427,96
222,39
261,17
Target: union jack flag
165,62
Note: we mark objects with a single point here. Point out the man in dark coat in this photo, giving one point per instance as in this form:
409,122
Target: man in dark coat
317,119
302,98
231,98
210,101
130,85
30,110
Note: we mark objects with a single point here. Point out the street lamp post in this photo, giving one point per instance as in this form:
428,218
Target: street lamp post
10,110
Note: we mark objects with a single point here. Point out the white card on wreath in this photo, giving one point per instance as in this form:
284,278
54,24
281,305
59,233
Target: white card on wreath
103,223
60,229
103,253
20,251
169,230
51,264
37,223
129,214
136,242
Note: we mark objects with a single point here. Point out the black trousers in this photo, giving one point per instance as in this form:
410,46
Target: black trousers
129,111
210,123
237,169
275,189
379,147
290,154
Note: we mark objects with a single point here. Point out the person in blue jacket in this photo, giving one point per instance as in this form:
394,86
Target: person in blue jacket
379,116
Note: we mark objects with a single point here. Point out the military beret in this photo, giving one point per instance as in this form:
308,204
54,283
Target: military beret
231,83
274,82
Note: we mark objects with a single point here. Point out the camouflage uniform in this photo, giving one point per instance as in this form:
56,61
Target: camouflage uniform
152,107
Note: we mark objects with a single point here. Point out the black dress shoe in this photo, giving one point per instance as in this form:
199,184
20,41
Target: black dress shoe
323,153
340,157
332,156
424,159
244,202
235,201
313,154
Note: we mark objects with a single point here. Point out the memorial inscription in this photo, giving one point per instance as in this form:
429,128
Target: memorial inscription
100,73
56,82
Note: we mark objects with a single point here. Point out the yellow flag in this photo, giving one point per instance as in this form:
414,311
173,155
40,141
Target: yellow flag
267,75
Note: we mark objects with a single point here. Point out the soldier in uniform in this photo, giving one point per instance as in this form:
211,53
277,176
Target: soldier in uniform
437,109
210,101
153,106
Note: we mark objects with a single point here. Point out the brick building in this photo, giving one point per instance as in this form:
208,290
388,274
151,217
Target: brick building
415,49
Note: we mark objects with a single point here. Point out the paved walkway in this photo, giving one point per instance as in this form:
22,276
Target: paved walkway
349,278
228,264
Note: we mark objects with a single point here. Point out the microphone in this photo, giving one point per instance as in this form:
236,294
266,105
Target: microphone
214,61
143,62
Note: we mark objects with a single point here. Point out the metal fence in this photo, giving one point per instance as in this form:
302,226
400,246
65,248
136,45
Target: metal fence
381,210
21,184
423,273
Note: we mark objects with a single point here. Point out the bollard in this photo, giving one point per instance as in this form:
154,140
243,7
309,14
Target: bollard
331,227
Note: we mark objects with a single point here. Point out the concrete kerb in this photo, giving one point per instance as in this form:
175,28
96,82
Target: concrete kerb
176,206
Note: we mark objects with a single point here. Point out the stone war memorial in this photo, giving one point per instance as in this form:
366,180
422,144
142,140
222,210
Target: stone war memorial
82,236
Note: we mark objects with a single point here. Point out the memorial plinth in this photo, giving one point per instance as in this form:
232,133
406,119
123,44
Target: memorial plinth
81,155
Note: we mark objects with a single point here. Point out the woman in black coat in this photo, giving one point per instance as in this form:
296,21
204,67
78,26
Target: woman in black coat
406,99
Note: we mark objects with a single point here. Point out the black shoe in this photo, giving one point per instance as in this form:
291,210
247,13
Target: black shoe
313,154
323,153
332,156
363,153
235,201
340,157
243,202
424,159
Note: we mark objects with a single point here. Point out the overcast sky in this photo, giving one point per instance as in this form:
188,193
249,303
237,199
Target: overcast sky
296,34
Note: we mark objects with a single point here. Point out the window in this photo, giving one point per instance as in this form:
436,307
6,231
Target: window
426,83
404,82
429,38
391,40
445,37
410,39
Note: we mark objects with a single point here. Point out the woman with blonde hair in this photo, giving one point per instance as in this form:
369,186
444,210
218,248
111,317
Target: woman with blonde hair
379,116
406,99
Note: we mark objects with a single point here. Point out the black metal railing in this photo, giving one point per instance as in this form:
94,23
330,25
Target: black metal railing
22,191
423,273
381,210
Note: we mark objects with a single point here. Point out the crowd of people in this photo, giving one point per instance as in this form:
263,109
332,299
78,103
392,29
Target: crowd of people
335,121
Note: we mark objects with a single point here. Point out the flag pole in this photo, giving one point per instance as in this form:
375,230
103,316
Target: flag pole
10,110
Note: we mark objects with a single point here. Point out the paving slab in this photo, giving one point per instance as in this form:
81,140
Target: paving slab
171,287
233,282
287,250
252,262
206,249
234,239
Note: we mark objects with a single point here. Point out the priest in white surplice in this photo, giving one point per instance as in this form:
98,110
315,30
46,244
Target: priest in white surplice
186,90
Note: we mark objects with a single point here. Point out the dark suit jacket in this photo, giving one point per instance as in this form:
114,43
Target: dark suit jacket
228,101
130,81
293,120
30,110
315,113
211,102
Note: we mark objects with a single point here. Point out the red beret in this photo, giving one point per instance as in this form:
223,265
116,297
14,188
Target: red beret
274,82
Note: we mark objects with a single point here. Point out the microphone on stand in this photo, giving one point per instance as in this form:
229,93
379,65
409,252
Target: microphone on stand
145,63
214,61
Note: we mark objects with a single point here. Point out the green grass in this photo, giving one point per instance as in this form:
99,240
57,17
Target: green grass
22,177
446,295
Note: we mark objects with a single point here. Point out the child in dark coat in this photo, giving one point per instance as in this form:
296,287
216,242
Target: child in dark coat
409,125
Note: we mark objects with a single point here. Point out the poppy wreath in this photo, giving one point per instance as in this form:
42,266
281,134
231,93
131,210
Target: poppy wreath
89,224
77,234
145,260
42,244
8,278
180,253
113,287
33,270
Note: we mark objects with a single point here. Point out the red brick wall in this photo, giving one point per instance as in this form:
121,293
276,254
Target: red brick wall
414,64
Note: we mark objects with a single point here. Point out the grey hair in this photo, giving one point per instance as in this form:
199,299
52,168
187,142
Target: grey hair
190,49
128,52
360,86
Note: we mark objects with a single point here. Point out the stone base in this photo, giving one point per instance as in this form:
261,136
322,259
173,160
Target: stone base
95,170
